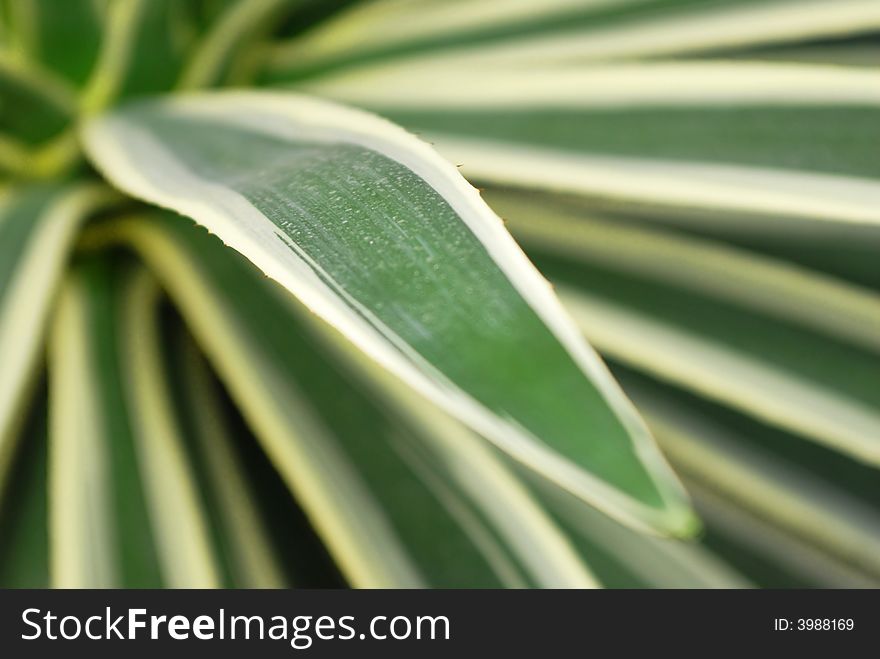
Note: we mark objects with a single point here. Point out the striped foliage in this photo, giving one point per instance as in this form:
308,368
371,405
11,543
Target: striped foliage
273,336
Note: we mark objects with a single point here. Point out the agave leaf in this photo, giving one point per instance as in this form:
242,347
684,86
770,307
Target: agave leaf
761,138
374,486
384,240
624,558
177,513
743,277
33,107
854,50
521,34
145,44
24,542
812,140
34,111
761,534
810,385
101,534
238,26
790,496
135,519
818,514
780,558
161,522
252,557
63,37
379,30
677,88
79,473
845,252
766,192
37,228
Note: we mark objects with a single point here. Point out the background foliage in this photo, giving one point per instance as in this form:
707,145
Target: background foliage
697,179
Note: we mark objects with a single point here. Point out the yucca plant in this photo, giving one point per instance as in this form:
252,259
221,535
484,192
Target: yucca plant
355,376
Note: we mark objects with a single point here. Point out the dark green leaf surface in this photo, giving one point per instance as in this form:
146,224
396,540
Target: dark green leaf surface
24,515
29,111
65,37
410,275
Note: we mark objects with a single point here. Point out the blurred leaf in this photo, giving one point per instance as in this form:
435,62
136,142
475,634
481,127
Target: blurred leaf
235,29
240,527
145,44
792,499
37,228
106,527
801,138
35,111
855,49
24,514
780,559
743,277
101,532
624,558
770,140
515,34
62,36
810,385
377,235
33,108
507,504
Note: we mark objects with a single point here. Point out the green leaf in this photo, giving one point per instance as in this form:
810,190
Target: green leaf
485,36
801,138
177,512
508,505
624,558
383,239
398,495
238,27
845,50
808,384
240,528
758,537
33,109
24,514
144,46
102,527
822,514
37,229
63,37
762,139
673,297
767,139
747,278
137,519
